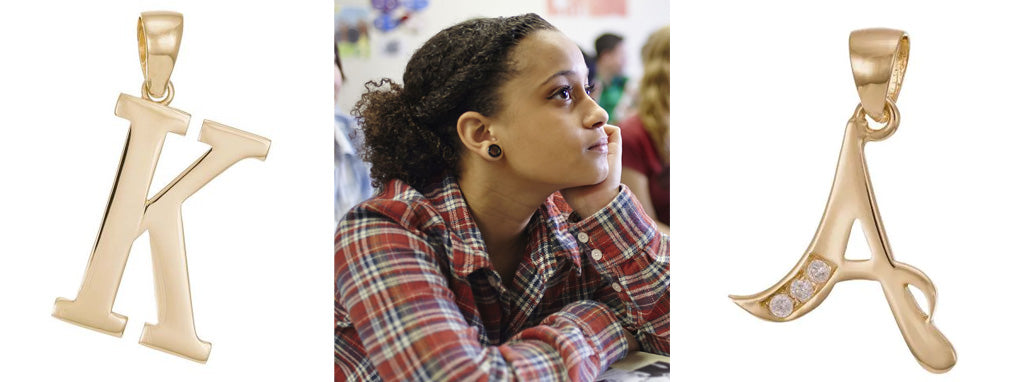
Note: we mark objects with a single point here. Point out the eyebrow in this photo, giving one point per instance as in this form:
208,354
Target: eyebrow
565,73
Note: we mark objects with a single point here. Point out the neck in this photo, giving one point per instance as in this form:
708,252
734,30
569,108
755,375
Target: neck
502,206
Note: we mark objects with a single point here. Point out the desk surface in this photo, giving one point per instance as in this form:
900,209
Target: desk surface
637,359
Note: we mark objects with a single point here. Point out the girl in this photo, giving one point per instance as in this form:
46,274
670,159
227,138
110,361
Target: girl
502,245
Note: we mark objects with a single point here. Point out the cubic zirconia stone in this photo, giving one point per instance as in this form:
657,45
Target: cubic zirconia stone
781,306
801,289
819,271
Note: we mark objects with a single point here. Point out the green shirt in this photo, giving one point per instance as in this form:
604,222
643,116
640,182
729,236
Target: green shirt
611,93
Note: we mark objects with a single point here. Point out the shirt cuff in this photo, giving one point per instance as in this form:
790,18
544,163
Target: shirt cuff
600,330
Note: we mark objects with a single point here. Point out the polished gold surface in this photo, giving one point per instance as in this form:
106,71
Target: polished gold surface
167,98
852,199
878,57
159,38
129,214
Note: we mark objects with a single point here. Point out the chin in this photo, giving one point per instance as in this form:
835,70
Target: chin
602,172
580,176
596,175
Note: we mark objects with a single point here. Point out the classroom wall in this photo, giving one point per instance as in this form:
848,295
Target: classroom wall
643,17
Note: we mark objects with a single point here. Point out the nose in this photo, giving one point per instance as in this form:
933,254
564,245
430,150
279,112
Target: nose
595,116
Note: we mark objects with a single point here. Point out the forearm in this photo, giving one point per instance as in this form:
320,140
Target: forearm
584,337
625,248
574,344
401,312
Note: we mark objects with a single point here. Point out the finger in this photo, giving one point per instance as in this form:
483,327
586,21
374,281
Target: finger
614,133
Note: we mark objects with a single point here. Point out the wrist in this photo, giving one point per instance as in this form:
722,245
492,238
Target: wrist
631,343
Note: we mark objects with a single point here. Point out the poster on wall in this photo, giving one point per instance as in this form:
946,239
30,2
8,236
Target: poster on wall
352,31
588,8
394,13
355,21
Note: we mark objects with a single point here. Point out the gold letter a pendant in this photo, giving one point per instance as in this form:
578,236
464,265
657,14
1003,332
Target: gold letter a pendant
129,213
879,61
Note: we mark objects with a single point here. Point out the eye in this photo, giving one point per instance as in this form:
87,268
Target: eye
589,88
563,93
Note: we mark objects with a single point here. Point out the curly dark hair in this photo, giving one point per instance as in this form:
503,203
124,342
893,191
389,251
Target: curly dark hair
409,130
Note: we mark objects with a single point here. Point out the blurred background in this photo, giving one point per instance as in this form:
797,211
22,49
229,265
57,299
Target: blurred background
375,38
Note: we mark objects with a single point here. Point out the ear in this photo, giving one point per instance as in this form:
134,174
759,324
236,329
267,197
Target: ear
475,132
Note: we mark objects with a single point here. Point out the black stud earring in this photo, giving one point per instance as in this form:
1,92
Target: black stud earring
494,151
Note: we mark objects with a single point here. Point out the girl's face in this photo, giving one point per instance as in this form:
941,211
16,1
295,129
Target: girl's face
550,130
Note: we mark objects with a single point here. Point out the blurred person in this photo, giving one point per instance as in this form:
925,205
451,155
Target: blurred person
502,245
614,94
645,136
351,177
591,63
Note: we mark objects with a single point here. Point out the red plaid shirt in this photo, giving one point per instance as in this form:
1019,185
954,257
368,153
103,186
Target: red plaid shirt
416,297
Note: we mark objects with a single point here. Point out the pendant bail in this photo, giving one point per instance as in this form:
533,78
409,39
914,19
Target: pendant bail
878,57
159,38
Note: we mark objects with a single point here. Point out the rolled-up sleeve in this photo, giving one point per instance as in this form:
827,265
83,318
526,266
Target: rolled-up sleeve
391,286
623,245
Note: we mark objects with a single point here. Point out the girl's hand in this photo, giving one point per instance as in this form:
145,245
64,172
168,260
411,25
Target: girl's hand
631,342
586,200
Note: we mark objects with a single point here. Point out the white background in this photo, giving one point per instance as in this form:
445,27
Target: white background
259,236
763,91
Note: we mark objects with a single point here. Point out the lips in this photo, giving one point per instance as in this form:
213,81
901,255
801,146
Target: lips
600,146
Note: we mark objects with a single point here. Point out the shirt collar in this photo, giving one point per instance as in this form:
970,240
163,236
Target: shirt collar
550,233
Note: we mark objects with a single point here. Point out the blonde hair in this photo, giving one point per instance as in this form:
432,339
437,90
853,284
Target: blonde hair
653,94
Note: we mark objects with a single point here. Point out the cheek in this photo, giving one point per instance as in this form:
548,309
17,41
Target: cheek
545,137
549,147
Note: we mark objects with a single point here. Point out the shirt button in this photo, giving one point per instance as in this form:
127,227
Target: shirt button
583,237
616,287
596,254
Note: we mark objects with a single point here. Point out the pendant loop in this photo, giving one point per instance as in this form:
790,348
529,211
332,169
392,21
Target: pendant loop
893,121
878,57
166,98
159,37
